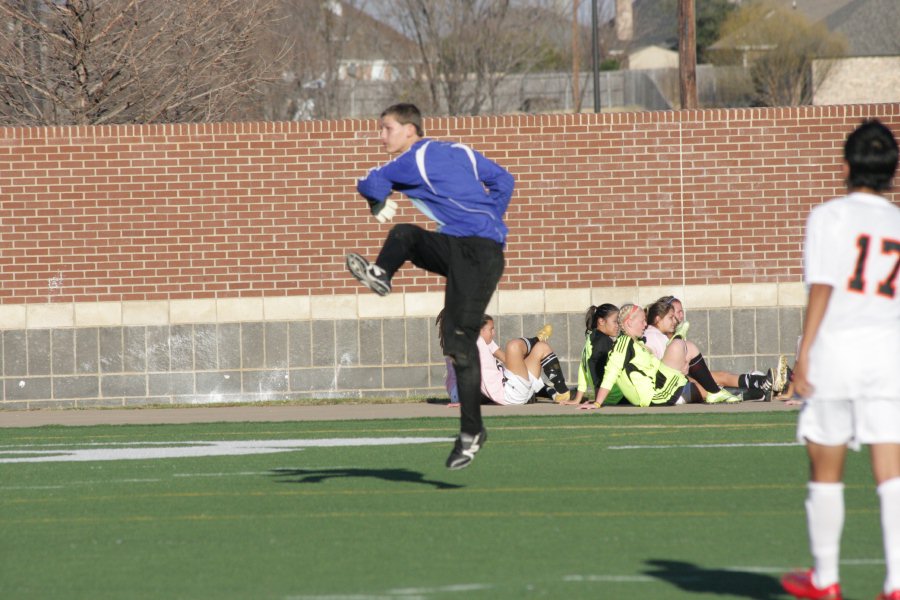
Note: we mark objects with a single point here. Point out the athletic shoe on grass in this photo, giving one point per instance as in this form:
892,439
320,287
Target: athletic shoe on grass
799,584
562,397
544,332
895,595
768,386
781,375
721,396
370,275
465,449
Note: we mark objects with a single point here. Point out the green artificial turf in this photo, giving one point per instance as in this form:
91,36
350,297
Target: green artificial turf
654,506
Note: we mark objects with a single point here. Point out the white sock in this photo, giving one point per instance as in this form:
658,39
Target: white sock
889,492
825,520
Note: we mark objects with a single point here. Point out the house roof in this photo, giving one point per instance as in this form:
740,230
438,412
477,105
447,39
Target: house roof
369,38
814,10
655,23
870,26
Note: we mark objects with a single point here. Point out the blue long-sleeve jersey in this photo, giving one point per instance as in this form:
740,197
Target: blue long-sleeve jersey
465,193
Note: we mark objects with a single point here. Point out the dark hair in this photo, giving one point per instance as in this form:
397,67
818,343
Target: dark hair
439,321
871,153
406,114
595,313
658,310
668,300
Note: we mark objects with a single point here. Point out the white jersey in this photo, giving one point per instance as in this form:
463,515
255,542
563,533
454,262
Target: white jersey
853,245
656,341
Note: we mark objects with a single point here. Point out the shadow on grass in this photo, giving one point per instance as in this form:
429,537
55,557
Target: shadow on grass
698,580
392,475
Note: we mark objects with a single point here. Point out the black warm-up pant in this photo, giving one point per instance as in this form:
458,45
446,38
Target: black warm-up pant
472,266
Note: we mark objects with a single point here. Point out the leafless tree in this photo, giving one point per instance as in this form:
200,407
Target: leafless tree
126,61
467,47
335,47
778,46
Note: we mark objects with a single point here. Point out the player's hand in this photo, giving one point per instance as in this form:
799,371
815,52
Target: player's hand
802,386
384,211
589,406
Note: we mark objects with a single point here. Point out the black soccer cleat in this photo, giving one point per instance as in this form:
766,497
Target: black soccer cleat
768,386
465,449
370,275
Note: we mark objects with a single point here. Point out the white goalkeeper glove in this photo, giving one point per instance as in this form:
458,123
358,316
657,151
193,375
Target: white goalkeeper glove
384,211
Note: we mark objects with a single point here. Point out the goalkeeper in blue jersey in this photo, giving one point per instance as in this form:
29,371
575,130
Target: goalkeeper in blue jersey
466,194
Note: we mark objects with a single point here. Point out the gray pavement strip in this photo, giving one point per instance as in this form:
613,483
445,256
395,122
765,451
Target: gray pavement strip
336,412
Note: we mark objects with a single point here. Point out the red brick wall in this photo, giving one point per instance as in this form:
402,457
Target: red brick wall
269,209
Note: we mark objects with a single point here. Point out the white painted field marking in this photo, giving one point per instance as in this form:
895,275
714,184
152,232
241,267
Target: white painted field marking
94,444
235,474
862,561
423,593
354,597
200,449
459,587
610,578
704,446
418,593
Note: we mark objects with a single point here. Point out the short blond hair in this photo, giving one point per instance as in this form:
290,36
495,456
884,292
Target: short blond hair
625,312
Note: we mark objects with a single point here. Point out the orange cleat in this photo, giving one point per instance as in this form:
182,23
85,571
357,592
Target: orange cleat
799,584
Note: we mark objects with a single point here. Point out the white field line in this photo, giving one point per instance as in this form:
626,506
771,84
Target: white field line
199,449
704,446
422,593
418,593
99,444
354,597
235,474
456,588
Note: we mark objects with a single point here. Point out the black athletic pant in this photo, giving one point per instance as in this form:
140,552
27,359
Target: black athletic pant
472,266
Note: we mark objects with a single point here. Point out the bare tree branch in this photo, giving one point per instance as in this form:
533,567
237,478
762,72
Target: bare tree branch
125,61
466,48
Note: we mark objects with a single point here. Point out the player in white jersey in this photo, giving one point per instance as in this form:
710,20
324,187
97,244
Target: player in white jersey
847,364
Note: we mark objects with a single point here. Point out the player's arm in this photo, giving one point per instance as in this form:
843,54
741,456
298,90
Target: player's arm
819,295
374,187
602,393
597,363
380,182
496,179
615,362
500,355
819,273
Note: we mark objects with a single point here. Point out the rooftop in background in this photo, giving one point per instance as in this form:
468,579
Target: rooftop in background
870,26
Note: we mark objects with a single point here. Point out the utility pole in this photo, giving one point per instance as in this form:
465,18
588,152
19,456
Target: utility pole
576,59
595,52
687,54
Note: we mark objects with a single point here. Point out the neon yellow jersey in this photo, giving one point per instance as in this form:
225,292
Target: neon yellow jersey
643,378
584,376
585,379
